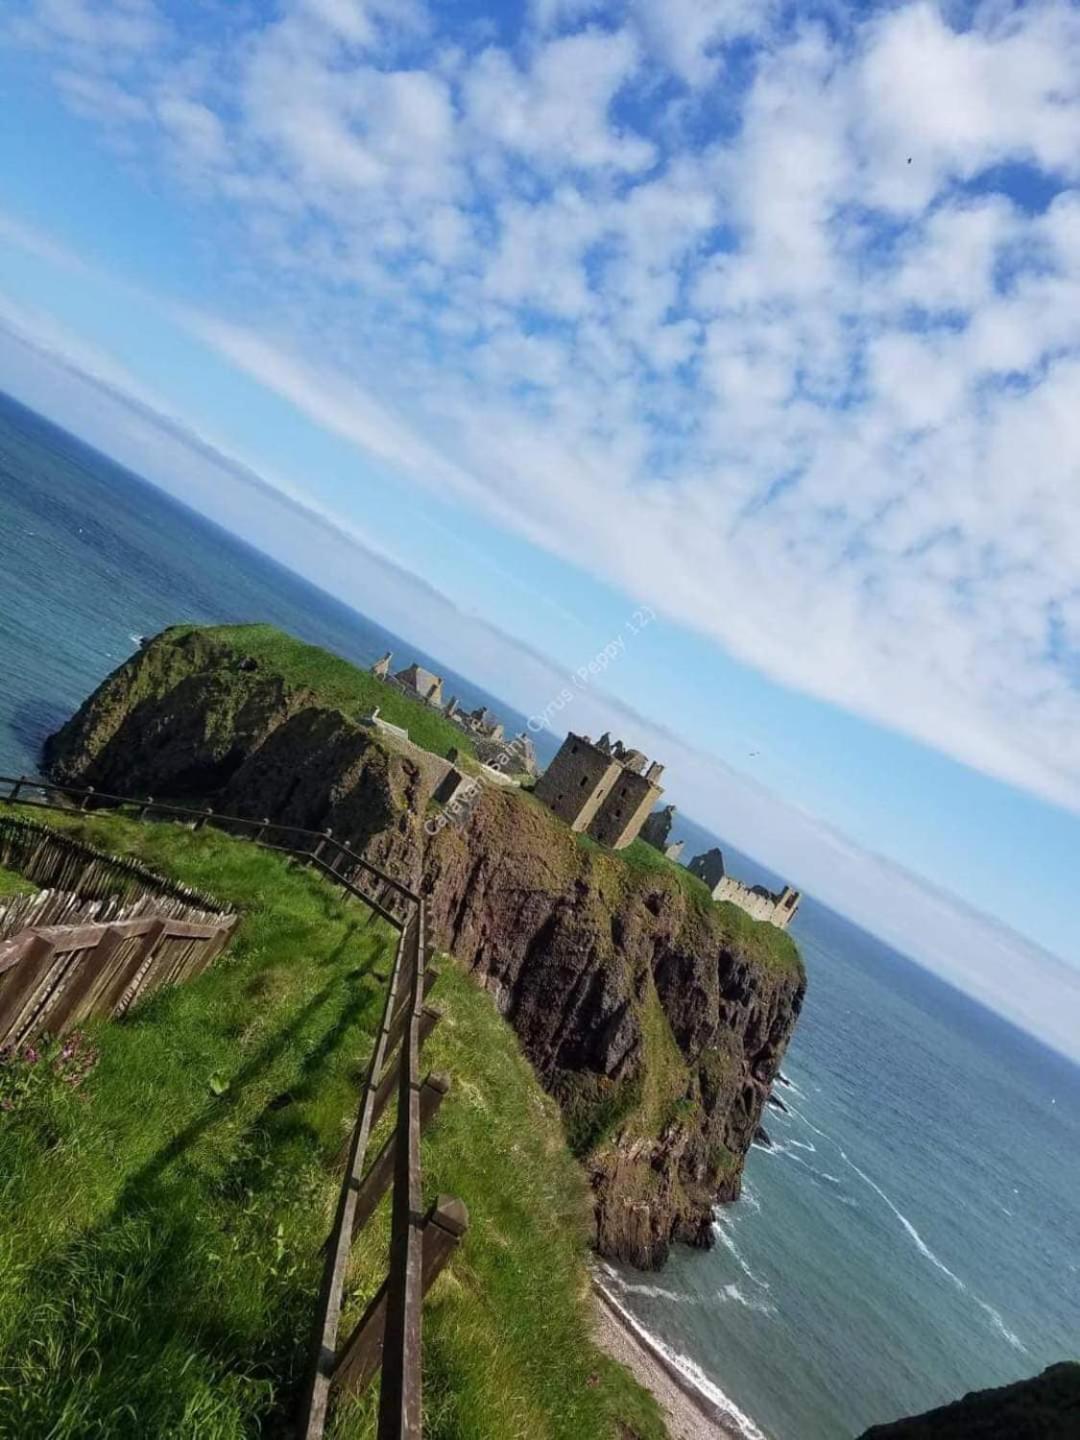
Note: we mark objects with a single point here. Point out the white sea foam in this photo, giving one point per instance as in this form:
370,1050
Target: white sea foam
691,1372
809,1123
732,1292
805,1145
1002,1329
650,1292
722,1231
920,1243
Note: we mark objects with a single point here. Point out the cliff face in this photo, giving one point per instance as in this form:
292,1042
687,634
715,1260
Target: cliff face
1046,1407
659,1021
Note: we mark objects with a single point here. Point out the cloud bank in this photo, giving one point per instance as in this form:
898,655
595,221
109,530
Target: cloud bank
769,316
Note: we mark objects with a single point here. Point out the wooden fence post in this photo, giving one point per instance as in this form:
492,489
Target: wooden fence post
429,1018
361,1356
20,984
397,1024
372,1187
140,969
87,978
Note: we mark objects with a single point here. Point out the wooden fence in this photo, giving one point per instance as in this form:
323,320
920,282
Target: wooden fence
388,1334
105,932
389,897
52,858
54,976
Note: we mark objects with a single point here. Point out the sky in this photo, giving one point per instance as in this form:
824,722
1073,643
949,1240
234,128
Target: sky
517,325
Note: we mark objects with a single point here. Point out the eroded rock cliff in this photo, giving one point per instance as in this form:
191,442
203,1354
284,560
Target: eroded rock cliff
658,1019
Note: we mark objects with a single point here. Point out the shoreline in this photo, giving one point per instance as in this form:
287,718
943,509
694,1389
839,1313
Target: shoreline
689,1414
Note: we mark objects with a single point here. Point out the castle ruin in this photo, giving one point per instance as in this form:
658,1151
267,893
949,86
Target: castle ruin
778,908
657,832
601,788
516,756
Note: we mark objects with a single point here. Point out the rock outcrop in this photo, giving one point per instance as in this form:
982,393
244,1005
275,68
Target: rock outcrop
1046,1407
658,1019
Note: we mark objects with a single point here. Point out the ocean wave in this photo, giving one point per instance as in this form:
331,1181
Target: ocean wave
920,1243
691,1372
732,1292
794,1110
805,1145
782,1147
997,1322
1003,1330
650,1292
721,1229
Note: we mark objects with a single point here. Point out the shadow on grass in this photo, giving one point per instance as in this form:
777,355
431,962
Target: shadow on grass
180,1311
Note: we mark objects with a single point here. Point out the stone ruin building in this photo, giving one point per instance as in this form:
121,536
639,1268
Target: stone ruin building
657,832
485,727
777,908
601,788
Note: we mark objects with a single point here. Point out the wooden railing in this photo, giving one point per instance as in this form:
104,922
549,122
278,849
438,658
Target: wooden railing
388,896
388,1334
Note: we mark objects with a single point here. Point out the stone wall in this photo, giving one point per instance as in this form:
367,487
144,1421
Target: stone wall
756,900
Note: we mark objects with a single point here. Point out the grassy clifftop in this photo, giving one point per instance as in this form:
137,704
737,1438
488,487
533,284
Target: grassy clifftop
161,1224
336,682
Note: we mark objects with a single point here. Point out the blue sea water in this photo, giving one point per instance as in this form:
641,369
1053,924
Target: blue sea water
912,1234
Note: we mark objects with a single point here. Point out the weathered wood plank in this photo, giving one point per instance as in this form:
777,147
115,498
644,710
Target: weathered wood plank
380,1172
328,1311
25,984
361,1356
401,1391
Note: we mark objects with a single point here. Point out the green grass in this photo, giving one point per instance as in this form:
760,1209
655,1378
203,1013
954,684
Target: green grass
340,684
643,858
12,884
161,1225
766,944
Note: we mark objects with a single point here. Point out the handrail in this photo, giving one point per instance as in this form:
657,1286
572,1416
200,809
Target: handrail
88,794
400,1390
341,1235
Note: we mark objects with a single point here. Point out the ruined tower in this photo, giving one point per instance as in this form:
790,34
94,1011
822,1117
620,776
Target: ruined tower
600,788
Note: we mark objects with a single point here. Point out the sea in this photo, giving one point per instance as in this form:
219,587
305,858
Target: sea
911,1232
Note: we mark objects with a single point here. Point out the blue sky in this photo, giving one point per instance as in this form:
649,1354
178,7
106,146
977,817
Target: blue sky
763,316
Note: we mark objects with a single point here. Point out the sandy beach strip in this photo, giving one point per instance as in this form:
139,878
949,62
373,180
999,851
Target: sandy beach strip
689,1414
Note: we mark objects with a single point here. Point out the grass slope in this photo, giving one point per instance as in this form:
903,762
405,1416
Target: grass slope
11,884
340,684
161,1225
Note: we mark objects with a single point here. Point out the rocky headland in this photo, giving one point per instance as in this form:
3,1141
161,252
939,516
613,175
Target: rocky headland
657,1018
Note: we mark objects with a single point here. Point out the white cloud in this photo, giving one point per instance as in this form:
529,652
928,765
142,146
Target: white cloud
760,353
556,111
689,34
